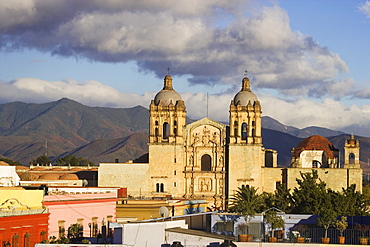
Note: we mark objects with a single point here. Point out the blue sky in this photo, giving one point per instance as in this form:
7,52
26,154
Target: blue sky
307,60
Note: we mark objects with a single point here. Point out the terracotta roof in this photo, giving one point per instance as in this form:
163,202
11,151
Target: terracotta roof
2,163
316,142
69,177
49,176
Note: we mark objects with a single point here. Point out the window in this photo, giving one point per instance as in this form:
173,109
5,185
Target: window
352,157
206,164
156,132
26,240
159,187
174,184
235,128
61,228
166,130
316,164
156,123
15,241
43,235
244,131
225,226
175,131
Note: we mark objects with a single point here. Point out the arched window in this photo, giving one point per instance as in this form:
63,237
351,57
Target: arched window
352,157
156,123
316,164
159,187
244,131
43,235
26,242
15,241
166,130
206,164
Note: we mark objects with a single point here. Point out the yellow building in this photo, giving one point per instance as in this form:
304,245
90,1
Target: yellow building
209,160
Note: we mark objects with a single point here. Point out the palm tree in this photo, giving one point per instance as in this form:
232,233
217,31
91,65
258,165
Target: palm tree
246,202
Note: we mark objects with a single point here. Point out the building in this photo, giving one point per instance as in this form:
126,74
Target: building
91,208
210,160
23,219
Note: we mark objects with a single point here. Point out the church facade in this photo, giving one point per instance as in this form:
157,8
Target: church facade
210,160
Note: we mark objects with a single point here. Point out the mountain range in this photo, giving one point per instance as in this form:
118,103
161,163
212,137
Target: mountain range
102,134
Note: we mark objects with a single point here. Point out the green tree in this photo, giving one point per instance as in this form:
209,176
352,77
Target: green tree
246,202
74,232
10,162
310,195
42,161
73,161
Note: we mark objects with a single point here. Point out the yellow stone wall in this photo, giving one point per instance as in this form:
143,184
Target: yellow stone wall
335,179
132,176
166,166
30,198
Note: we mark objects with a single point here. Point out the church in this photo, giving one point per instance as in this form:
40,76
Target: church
209,160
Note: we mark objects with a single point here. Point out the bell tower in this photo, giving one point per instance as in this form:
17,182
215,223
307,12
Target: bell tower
167,121
246,153
245,117
352,153
167,115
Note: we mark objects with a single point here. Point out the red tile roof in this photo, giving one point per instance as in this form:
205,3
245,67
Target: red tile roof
316,142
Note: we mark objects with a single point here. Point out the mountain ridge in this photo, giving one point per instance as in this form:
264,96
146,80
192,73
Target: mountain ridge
102,134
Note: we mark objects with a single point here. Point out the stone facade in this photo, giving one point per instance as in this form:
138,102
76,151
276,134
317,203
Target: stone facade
209,160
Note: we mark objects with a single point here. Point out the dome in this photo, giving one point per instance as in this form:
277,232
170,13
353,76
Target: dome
316,142
69,177
167,94
245,95
49,176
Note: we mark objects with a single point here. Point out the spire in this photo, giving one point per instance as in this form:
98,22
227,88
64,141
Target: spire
246,85
167,83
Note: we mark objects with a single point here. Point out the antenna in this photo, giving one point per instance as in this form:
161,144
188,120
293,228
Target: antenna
207,104
163,212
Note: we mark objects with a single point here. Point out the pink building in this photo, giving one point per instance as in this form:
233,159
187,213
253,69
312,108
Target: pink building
86,206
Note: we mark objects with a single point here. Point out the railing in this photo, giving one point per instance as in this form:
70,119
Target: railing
314,235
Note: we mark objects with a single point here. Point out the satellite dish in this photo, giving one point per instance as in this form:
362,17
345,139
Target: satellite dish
163,212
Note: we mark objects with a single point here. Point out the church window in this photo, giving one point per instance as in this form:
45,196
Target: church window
352,158
159,187
235,128
175,123
156,132
316,164
156,122
175,131
244,131
206,163
166,130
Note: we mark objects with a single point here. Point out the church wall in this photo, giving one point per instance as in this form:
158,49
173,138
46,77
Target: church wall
335,179
271,177
166,166
132,176
245,166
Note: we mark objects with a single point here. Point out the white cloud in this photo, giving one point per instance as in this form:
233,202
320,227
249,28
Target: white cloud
365,8
185,35
300,113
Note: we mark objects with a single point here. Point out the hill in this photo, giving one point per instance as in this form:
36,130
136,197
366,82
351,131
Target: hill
101,134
